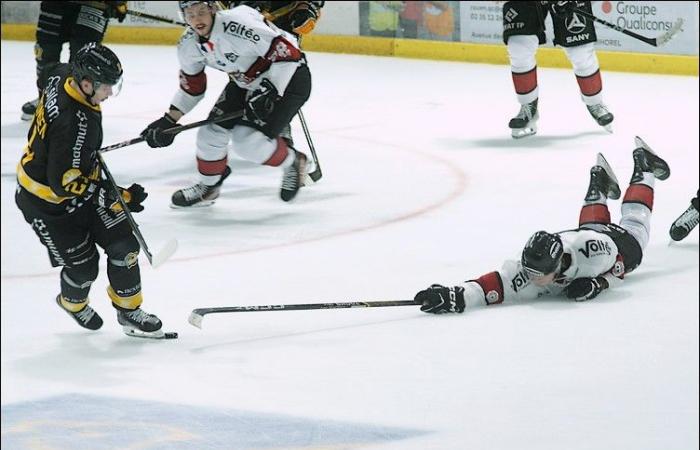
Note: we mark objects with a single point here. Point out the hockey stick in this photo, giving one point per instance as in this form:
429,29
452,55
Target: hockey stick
169,248
316,174
175,130
156,18
198,314
656,42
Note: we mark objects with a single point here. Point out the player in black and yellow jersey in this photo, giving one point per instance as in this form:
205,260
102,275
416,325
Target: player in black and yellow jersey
64,198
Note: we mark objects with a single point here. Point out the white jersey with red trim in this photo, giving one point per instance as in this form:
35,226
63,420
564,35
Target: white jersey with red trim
591,254
243,44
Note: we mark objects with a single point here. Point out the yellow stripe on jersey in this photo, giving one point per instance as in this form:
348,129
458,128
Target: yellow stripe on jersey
40,190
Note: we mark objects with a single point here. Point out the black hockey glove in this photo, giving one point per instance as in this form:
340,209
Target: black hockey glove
262,101
582,289
438,299
303,19
105,197
563,8
134,197
154,132
117,10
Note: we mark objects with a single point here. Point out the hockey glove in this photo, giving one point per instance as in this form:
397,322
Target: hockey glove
133,197
438,299
117,9
262,101
303,19
154,135
563,9
582,289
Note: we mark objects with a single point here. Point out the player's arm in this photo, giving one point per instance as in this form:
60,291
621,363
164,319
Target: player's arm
489,289
67,153
193,84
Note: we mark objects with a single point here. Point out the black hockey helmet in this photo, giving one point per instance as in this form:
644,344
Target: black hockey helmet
542,254
99,65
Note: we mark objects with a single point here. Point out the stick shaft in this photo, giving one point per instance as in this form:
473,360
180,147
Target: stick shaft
175,130
304,306
650,41
156,18
316,174
129,217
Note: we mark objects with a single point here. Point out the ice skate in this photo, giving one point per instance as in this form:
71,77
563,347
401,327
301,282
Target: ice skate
603,181
293,178
601,115
645,160
684,224
198,195
139,323
525,123
29,108
86,317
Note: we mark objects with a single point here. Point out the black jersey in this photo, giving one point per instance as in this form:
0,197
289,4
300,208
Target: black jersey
59,165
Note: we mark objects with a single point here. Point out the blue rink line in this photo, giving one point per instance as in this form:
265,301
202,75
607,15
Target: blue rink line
93,423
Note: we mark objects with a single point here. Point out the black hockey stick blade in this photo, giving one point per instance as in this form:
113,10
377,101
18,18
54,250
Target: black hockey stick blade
316,174
198,314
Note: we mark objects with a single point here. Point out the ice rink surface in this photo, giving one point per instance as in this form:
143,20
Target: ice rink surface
422,184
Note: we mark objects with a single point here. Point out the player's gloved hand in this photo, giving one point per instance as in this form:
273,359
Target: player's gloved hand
134,196
303,18
262,101
582,289
563,8
438,299
154,132
105,196
117,9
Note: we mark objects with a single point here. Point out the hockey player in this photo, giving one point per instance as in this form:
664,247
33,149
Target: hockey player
685,223
76,22
68,205
298,18
270,81
579,263
523,32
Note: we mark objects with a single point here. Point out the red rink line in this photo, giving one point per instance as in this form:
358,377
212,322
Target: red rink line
457,190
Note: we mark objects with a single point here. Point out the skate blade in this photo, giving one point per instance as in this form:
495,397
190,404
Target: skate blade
602,162
523,132
202,204
159,334
639,143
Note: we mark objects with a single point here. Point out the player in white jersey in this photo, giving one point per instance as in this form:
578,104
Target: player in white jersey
270,81
579,263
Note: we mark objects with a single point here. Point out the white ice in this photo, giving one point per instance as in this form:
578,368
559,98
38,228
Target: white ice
422,184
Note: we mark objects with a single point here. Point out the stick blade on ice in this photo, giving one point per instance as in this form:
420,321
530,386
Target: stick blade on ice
196,319
166,252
